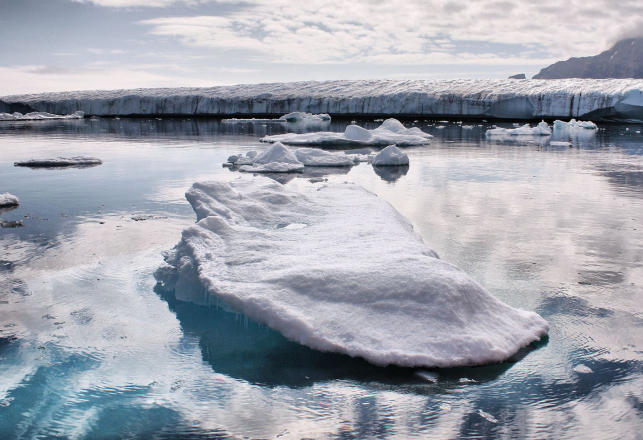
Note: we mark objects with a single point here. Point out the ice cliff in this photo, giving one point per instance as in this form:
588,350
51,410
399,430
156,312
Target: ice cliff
589,99
338,269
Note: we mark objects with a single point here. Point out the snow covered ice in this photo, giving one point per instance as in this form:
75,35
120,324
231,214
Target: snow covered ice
589,125
312,157
356,280
390,132
391,156
60,162
595,99
275,159
542,129
38,116
7,199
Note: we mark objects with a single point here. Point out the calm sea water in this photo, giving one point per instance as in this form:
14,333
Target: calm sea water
91,348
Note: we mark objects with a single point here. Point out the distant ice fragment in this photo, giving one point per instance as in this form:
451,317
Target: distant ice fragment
573,123
429,376
391,156
390,132
488,416
38,116
7,199
342,284
560,143
303,116
583,369
542,129
59,162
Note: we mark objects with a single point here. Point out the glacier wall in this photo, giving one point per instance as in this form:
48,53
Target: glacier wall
596,99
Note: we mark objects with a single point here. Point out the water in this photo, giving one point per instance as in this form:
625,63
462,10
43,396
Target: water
90,347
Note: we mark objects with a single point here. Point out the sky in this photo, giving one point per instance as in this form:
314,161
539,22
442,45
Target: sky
62,45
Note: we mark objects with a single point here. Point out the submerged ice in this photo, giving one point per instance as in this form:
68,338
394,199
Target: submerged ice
356,279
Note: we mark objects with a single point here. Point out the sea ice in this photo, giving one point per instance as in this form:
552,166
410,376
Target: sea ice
38,116
7,199
59,162
542,129
390,132
391,156
320,158
356,280
303,116
589,125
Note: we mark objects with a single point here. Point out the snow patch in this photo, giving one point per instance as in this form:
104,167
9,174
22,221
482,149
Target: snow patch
356,280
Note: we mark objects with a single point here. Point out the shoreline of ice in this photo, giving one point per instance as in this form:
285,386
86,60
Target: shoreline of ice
595,99
355,279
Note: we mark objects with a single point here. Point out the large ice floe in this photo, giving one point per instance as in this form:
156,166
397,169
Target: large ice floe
7,199
338,269
55,162
390,132
593,99
38,116
589,125
542,129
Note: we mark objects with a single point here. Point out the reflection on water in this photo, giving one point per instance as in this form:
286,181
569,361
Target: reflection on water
91,348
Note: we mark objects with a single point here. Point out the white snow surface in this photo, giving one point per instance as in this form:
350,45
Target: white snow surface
589,125
38,116
390,132
356,280
390,156
7,199
595,99
542,129
313,157
60,162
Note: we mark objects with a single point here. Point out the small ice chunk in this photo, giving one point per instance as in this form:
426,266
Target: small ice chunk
560,143
573,123
7,199
313,157
487,416
275,159
59,162
429,376
306,117
233,158
445,406
583,369
251,154
391,156
466,380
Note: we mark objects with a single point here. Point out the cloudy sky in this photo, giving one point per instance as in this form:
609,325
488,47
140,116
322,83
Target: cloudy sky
57,45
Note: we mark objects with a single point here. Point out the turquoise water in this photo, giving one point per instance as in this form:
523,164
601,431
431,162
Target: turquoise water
91,347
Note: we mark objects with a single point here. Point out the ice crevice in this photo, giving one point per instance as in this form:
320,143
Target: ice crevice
356,279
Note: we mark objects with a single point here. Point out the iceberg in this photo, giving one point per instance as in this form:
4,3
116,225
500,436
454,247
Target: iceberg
542,129
390,156
589,125
38,116
275,159
352,277
75,161
7,199
390,132
593,99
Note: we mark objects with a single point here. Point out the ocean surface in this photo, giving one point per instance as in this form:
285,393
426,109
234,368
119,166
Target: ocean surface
92,348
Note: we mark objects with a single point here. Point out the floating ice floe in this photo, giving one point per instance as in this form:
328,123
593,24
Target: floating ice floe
290,117
59,162
390,132
7,199
390,156
275,159
356,280
560,144
542,129
313,157
38,116
589,125
583,369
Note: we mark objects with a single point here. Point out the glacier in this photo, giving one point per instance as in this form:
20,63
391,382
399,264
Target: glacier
592,99
338,269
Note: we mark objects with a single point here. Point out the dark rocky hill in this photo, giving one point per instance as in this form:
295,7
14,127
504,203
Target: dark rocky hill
623,60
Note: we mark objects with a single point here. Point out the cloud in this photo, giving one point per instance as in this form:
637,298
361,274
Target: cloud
411,31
